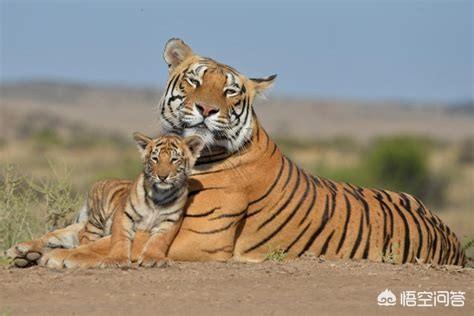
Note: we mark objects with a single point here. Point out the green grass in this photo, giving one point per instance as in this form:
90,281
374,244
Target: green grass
392,255
5,311
17,221
276,255
468,246
30,208
4,262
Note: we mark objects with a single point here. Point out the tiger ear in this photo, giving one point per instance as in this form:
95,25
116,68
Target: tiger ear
195,145
142,141
175,52
261,84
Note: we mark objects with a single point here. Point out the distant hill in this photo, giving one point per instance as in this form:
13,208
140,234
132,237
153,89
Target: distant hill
72,92
466,108
125,109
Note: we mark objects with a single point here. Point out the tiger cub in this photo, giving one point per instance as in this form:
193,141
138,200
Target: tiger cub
154,202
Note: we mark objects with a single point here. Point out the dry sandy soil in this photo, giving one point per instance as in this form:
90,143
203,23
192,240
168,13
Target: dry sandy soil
301,287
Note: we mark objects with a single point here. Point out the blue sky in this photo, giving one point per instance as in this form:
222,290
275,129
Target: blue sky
396,50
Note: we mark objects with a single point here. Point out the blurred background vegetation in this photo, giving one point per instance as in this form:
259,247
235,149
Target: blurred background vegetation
51,152
398,163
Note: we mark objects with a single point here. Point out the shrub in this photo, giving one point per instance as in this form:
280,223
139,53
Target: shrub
46,137
395,163
58,198
28,208
17,222
401,164
466,152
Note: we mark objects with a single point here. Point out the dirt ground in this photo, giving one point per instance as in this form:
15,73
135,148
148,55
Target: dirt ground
306,286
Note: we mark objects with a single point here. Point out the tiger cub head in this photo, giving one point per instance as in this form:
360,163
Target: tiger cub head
168,159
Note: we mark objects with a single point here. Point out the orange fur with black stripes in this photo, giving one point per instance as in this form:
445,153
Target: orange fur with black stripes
247,199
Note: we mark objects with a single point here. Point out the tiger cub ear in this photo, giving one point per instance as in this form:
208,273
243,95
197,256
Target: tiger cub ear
142,141
175,52
195,145
261,84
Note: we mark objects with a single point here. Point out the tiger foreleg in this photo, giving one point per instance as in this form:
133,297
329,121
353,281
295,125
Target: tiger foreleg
123,232
90,255
85,256
28,253
156,248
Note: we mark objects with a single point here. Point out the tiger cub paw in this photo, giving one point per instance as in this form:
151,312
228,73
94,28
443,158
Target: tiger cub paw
115,262
149,261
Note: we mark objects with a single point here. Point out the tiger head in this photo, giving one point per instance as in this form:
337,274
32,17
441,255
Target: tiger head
206,98
168,159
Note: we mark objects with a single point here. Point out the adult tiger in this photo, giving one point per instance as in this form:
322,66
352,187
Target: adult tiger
247,199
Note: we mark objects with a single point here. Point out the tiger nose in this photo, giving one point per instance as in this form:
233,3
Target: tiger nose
206,110
163,177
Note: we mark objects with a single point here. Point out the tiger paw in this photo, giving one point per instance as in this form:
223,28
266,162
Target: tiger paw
19,250
24,254
30,259
54,259
149,261
115,262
